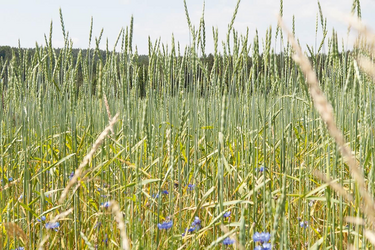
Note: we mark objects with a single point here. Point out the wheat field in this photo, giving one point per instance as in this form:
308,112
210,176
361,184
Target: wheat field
245,148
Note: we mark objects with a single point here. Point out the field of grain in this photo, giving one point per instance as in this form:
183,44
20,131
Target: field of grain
239,150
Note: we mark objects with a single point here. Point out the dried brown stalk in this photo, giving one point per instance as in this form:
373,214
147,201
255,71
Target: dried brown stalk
367,65
325,110
370,235
355,220
13,229
335,186
57,217
368,42
121,225
87,158
238,244
108,110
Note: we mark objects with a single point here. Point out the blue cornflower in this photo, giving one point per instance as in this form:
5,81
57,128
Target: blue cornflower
226,214
261,237
106,204
21,197
71,175
165,192
191,229
52,225
256,237
304,224
261,169
197,221
19,248
155,196
228,241
267,246
191,187
43,218
10,179
195,225
258,248
106,239
47,196
165,225
265,237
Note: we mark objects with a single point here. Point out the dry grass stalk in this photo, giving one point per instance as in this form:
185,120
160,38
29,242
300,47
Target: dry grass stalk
62,215
44,240
358,25
335,186
325,110
13,229
57,217
367,66
238,244
87,158
368,43
108,111
10,184
121,225
352,247
355,220
370,235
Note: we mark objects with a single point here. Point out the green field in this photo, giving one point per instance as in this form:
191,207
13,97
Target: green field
204,147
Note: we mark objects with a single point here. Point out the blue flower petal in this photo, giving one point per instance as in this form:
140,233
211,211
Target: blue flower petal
52,225
265,237
267,246
227,214
197,221
228,241
256,237
165,225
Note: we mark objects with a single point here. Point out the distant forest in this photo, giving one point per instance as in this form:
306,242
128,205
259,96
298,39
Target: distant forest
6,54
140,64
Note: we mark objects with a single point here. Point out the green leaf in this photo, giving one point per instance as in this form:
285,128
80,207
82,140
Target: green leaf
53,165
148,181
316,244
27,208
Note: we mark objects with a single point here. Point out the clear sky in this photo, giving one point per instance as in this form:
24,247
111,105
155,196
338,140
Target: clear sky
29,20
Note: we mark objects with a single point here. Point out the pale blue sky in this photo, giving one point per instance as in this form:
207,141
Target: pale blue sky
29,20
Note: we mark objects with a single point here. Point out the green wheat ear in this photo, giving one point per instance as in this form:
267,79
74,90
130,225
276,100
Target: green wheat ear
188,20
131,34
90,33
62,24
